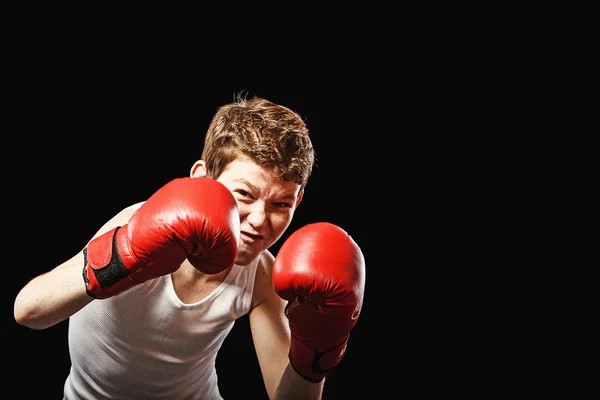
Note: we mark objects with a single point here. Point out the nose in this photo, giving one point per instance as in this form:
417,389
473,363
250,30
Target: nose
257,214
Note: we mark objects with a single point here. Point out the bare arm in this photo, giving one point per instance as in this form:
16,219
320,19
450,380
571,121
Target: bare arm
54,296
271,337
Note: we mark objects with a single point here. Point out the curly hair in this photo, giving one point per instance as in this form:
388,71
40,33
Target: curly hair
272,135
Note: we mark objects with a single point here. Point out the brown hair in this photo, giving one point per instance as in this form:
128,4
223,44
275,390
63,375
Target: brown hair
272,135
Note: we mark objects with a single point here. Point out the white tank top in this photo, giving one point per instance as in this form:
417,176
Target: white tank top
146,344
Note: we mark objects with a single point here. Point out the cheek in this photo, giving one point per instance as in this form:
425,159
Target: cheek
279,224
243,207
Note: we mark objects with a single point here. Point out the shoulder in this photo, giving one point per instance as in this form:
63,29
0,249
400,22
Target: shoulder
120,219
132,208
263,288
265,264
123,216
126,213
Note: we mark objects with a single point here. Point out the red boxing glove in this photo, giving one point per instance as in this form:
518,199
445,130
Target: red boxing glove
320,271
193,218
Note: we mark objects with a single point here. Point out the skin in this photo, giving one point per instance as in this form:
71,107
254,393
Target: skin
266,206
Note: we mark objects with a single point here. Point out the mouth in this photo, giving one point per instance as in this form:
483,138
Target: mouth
250,237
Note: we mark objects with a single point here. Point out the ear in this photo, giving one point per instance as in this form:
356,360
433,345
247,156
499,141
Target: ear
198,170
299,199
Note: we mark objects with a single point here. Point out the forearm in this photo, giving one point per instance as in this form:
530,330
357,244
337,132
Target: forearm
292,386
52,297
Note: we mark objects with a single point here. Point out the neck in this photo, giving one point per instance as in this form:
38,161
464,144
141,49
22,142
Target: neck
189,272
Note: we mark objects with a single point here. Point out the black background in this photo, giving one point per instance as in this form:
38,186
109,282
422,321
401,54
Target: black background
87,147
406,120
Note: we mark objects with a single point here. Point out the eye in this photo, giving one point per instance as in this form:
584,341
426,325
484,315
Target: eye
283,205
242,192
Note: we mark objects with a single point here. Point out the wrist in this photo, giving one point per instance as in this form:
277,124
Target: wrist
104,273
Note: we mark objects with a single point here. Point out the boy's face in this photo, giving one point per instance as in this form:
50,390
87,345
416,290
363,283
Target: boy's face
266,205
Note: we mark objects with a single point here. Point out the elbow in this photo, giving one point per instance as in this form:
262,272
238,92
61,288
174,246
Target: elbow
21,319
25,320
26,316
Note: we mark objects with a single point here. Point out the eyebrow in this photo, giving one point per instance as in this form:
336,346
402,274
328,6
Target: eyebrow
252,187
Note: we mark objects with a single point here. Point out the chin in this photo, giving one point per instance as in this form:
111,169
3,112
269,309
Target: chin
244,258
247,254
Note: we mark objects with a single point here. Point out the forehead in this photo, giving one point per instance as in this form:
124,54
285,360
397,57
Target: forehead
244,170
